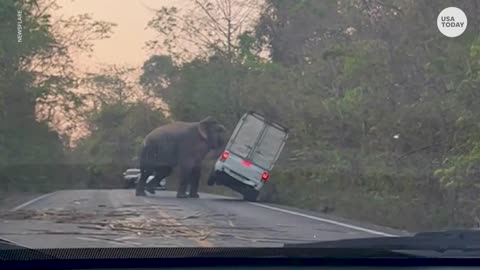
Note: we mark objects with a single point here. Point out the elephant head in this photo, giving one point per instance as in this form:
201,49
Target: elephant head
213,132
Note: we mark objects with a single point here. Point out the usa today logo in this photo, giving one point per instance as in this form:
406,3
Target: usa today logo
452,22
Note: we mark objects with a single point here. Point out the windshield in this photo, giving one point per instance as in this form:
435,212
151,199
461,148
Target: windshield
237,123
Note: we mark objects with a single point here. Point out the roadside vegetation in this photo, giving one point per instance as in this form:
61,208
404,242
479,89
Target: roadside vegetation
383,109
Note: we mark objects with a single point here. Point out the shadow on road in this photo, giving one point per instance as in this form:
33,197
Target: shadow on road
207,197
225,199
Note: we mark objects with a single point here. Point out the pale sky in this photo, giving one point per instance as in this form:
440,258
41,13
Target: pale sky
126,46
129,36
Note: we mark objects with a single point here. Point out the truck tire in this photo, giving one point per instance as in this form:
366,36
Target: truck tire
250,195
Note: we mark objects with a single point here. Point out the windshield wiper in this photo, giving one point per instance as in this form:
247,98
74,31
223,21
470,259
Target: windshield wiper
452,243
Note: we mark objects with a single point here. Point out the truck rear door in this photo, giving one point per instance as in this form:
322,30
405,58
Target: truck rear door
269,146
245,136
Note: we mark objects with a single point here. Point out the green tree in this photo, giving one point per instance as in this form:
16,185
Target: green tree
382,108
203,28
118,122
32,156
118,130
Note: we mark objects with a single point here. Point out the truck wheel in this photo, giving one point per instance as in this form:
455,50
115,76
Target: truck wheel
250,195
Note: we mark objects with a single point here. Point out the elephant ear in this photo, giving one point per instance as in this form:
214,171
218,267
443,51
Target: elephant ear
203,126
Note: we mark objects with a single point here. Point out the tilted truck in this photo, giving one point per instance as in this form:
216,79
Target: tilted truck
249,156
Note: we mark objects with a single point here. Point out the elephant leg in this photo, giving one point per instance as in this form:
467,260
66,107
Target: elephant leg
147,167
194,181
185,175
160,173
144,174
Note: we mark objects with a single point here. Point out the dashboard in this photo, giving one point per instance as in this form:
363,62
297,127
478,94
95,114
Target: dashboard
310,268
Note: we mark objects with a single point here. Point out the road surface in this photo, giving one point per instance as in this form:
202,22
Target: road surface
117,218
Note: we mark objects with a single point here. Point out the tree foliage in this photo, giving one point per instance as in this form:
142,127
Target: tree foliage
382,107
203,27
118,121
118,130
32,156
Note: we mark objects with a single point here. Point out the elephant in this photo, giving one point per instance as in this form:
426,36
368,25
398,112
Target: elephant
182,144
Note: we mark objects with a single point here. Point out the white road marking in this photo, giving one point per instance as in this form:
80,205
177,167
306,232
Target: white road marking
260,205
325,220
23,205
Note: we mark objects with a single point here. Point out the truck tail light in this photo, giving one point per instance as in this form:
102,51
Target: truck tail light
224,155
265,176
247,163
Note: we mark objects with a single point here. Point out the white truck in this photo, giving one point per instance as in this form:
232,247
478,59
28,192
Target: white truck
250,154
132,176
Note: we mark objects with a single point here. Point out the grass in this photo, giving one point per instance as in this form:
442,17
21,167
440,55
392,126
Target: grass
411,209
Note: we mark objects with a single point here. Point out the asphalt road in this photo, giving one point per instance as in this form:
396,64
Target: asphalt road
117,218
